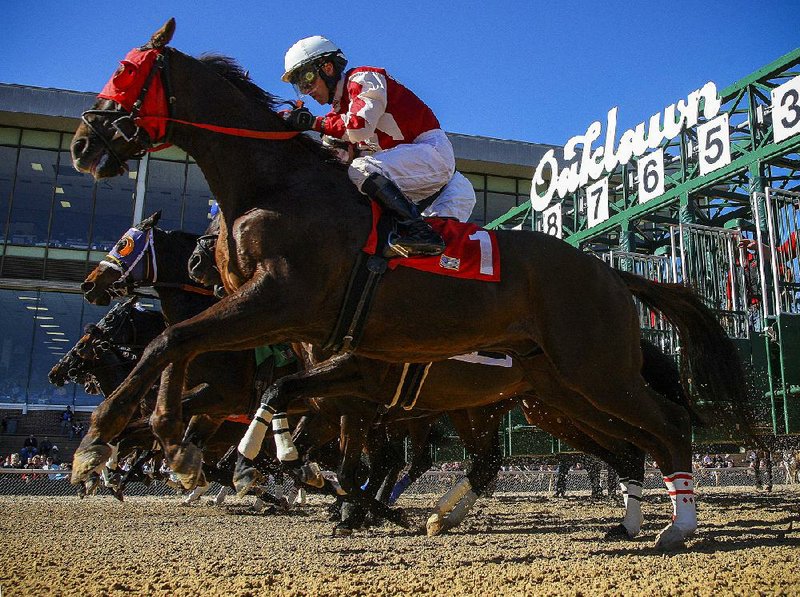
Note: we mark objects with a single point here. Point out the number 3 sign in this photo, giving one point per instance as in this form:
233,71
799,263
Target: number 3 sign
786,110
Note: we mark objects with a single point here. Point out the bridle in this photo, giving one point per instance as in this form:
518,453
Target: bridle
134,126
99,344
126,125
127,284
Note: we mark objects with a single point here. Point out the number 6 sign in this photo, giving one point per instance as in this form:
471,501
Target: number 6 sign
651,175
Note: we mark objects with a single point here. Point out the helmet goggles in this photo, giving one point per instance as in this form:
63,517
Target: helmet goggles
304,78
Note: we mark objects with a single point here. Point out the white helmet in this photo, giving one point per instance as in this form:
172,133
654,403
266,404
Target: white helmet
308,50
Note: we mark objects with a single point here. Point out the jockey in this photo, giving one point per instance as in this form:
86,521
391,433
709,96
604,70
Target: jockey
398,154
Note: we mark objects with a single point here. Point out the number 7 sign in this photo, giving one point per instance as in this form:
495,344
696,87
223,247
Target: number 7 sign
597,203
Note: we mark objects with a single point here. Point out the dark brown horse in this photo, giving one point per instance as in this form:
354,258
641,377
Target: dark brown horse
294,226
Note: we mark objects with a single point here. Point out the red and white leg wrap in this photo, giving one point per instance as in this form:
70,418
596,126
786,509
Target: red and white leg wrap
632,496
250,444
680,486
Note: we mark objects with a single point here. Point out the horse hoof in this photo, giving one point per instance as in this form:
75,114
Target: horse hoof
188,466
618,533
88,460
671,539
245,476
435,525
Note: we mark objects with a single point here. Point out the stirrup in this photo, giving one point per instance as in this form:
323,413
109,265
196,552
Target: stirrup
391,243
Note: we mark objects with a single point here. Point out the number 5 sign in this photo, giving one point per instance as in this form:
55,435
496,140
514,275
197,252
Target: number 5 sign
714,144
786,110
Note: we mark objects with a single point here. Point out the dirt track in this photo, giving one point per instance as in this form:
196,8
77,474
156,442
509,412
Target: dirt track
512,545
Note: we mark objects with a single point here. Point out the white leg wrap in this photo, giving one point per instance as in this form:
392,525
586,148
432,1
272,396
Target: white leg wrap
292,495
680,486
283,439
223,493
250,444
632,495
448,501
114,457
259,504
197,492
300,500
461,509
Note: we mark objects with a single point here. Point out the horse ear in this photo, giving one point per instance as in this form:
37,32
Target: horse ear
163,36
150,222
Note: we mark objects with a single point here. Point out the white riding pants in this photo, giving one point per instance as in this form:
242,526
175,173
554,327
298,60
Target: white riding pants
420,169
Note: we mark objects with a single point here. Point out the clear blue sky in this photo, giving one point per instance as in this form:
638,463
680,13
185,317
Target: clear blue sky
532,71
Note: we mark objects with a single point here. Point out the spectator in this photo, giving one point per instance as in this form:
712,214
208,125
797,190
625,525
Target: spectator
54,452
31,442
51,466
66,421
45,446
26,454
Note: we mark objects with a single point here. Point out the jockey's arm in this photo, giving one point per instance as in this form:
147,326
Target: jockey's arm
368,99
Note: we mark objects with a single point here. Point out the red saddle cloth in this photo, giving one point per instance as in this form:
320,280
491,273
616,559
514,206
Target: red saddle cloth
471,253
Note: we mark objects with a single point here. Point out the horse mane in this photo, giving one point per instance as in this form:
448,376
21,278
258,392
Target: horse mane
231,71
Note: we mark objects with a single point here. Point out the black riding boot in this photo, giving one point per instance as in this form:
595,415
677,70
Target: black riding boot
416,237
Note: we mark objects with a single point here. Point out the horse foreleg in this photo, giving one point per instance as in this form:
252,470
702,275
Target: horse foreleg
184,458
107,421
338,376
353,434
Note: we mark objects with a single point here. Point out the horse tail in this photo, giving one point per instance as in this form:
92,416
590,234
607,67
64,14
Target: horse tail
708,356
661,373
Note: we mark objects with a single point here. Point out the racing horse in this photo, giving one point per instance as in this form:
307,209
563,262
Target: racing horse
293,225
153,249
476,427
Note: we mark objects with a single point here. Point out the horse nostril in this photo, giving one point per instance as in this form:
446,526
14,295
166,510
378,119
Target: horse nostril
79,146
87,287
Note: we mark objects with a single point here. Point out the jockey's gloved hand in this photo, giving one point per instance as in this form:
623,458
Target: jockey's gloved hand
299,119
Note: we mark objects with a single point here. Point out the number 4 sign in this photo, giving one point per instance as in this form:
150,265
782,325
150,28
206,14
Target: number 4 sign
786,110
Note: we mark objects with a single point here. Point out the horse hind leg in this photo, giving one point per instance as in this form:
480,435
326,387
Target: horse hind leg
652,423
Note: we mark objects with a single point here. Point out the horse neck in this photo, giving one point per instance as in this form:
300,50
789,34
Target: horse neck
178,305
246,173
110,372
